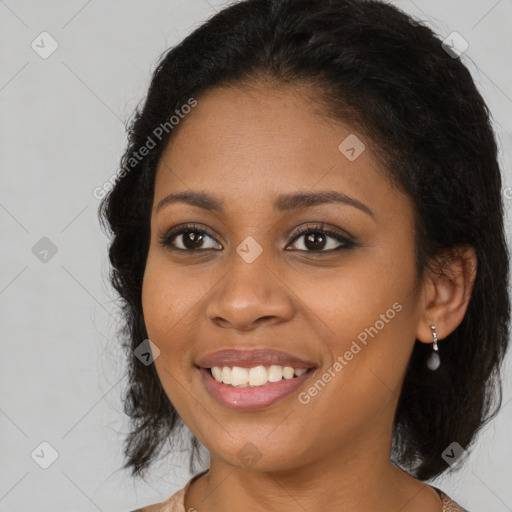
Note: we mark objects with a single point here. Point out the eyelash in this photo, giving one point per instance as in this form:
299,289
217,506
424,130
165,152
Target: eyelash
167,239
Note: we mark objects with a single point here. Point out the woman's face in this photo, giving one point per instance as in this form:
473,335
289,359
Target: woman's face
340,305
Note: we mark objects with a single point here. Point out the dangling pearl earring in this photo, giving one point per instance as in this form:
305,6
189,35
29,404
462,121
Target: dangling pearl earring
433,362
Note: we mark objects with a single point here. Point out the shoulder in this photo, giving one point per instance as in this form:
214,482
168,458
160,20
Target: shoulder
448,504
176,503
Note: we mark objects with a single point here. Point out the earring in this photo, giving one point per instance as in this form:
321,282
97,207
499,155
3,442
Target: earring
433,362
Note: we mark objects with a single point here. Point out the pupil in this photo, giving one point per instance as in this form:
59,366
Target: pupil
312,241
191,240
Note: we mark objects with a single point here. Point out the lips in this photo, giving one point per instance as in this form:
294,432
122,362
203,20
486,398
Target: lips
252,398
249,358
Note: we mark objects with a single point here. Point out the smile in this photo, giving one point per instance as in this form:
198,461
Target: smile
247,397
255,376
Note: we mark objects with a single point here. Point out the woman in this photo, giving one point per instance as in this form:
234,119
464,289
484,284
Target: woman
308,227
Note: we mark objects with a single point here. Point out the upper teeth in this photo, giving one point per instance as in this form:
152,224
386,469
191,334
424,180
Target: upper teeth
256,376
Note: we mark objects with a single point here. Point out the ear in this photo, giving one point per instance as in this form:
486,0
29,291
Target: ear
446,292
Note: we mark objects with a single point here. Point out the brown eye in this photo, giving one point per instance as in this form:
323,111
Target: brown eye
191,238
321,240
188,238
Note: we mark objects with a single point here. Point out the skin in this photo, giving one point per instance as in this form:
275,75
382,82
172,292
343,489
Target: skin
246,147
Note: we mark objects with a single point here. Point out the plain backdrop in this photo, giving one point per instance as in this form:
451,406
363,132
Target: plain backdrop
62,135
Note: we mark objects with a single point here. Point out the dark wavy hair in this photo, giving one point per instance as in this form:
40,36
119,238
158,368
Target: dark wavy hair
377,69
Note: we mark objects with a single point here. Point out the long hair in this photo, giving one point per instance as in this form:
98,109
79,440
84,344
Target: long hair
377,68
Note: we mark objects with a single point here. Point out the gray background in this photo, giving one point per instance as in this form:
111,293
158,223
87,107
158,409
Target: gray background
62,134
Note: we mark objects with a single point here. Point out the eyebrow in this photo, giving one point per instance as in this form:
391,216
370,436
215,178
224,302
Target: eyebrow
283,203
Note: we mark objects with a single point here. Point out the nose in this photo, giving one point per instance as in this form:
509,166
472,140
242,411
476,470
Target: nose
249,295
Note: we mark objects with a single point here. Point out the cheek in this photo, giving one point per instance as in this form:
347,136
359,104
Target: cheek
173,302
165,304
168,299
353,297
158,301
367,309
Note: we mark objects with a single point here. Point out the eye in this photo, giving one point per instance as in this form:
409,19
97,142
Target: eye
317,239
193,238
190,237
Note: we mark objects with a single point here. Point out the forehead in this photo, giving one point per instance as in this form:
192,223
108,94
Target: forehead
248,144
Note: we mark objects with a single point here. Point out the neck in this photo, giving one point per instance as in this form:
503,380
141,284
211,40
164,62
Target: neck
355,478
